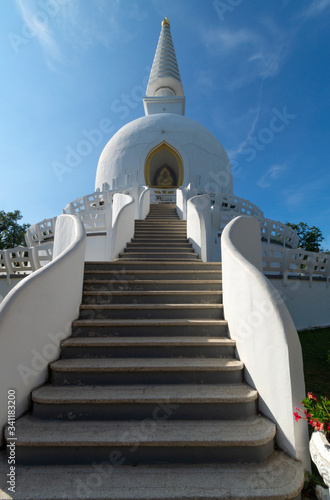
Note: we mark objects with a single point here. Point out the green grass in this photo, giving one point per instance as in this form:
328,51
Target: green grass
316,354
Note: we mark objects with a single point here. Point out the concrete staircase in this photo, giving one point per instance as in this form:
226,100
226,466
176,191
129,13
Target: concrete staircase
148,401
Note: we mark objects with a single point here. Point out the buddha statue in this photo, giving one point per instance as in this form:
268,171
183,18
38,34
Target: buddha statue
164,178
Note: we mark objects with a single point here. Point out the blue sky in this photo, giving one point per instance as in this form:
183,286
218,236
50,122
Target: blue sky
255,73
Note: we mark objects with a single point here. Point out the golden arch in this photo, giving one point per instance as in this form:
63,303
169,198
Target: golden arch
163,167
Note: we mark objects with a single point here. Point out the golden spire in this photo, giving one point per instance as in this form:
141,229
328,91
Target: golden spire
165,21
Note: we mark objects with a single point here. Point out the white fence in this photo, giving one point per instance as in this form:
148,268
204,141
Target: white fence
23,260
270,230
281,257
95,211
92,209
235,203
295,263
41,232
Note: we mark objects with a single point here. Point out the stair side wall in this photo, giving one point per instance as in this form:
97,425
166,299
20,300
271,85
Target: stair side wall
37,314
266,338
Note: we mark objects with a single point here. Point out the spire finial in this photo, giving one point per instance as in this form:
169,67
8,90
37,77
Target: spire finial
164,90
165,71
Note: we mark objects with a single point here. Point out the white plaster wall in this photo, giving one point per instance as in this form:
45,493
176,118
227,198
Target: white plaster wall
119,201
182,195
266,339
37,314
199,224
309,305
202,153
96,248
123,223
6,286
144,202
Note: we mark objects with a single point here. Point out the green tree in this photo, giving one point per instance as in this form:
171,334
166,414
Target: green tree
11,232
310,237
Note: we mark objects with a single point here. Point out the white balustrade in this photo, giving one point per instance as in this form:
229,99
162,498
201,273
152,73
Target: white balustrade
94,201
40,232
295,263
42,254
237,204
307,264
225,218
270,230
19,260
93,210
3,268
277,232
273,260
94,221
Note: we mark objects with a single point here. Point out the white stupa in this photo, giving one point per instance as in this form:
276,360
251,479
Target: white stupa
81,266
164,149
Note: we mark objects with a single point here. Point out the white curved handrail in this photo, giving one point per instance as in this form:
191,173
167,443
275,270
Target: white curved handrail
265,335
37,314
122,223
144,202
199,224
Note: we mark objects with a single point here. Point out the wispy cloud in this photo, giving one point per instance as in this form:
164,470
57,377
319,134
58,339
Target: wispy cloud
206,79
316,8
273,173
246,55
37,22
252,117
295,197
59,26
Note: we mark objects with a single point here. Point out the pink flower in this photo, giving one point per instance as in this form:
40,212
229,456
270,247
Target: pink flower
296,416
310,395
319,426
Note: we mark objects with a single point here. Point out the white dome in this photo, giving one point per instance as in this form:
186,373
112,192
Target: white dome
205,161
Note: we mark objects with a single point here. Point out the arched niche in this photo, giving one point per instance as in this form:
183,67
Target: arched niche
163,167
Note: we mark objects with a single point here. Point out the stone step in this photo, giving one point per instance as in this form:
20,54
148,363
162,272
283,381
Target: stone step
162,214
153,297
118,371
163,211
156,442
163,208
139,402
164,266
148,274
154,327
147,231
151,311
159,229
157,235
147,347
156,244
277,478
149,247
167,222
160,225
151,285
165,240
159,255
162,218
